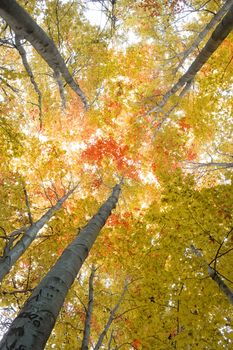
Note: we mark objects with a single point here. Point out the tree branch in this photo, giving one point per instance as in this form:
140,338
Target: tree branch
111,317
222,285
22,52
25,27
28,205
214,275
217,37
205,31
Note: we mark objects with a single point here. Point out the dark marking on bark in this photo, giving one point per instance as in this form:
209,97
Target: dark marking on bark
38,295
21,347
18,330
36,319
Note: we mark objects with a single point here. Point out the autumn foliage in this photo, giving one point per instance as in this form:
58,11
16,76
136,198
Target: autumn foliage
173,219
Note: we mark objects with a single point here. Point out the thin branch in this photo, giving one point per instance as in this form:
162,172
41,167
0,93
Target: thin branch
219,165
25,27
111,317
23,54
28,205
110,340
219,248
14,292
11,238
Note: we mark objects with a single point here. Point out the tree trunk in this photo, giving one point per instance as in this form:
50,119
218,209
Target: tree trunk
32,327
28,69
211,164
89,309
214,274
219,34
30,234
222,285
25,27
111,318
205,31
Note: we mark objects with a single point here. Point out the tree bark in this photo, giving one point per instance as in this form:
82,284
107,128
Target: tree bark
30,234
216,165
89,309
222,285
219,34
205,31
111,318
28,69
25,27
214,275
33,325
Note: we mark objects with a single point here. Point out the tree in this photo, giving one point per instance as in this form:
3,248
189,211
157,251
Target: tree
88,310
12,254
184,82
35,322
24,27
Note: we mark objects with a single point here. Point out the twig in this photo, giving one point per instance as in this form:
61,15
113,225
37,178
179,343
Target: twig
28,205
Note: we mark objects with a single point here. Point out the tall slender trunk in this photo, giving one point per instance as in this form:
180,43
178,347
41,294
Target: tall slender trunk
214,274
89,310
30,234
25,27
219,34
226,6
211,164
222,285
23,54
111,318
33,325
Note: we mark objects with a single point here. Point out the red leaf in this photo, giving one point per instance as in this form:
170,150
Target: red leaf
184,125
136,343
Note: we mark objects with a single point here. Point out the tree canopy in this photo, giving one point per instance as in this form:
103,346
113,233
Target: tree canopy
116,114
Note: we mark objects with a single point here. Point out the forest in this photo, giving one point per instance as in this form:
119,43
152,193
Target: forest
116,207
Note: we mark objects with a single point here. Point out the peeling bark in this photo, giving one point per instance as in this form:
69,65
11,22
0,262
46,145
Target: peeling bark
25,27
34,323
30,234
